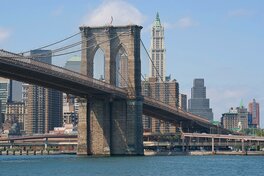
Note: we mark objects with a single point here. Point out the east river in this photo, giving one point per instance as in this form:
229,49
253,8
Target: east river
71,165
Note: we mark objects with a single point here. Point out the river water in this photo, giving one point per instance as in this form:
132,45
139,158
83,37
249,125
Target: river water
71,165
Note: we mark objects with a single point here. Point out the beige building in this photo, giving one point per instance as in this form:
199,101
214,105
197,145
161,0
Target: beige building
235,119
167,92
70,110
15,112
230,121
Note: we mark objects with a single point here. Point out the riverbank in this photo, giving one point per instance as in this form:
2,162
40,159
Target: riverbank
36,152
146,153
203,153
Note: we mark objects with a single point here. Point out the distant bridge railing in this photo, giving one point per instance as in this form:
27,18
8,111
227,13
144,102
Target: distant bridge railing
59,71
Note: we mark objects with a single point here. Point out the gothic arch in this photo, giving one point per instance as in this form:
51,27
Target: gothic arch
98,63
121,60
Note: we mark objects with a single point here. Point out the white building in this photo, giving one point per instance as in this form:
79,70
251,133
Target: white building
157,51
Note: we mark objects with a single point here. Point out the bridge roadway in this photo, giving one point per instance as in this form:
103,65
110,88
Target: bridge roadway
17,67
187,139
41,136
221,136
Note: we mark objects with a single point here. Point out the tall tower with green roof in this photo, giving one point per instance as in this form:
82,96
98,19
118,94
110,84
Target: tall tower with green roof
157,50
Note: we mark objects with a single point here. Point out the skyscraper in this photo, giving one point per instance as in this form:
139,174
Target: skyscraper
167,92
253,108
157,51
183,102
199,104
5,94
44,105
157,85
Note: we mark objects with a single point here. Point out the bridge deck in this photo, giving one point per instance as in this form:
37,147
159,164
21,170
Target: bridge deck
30,71
25,69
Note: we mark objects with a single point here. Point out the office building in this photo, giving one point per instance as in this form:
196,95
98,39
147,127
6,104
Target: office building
5,94
199,104
229,120
44,105
242,117
167,92
236,119
253,108
15,113
183,102
157,51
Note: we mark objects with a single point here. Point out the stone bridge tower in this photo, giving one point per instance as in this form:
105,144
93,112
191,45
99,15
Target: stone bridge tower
109,125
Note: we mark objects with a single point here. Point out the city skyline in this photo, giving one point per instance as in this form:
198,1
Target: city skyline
221,39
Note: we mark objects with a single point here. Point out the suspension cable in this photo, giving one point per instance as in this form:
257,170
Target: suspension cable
152,62
45,46
62,48
70,46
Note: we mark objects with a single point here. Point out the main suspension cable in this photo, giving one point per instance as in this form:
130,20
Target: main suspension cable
152,62
45,46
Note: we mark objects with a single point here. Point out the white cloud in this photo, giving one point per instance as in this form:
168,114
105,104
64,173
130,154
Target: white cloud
221,99
240,13
122,12
4,34
183,23
222,95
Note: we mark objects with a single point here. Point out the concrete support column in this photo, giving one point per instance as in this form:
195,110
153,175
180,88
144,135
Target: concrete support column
118,127
100,126
213,152
135,127
127,128
83,124
46,144
11,144
243,145
183,142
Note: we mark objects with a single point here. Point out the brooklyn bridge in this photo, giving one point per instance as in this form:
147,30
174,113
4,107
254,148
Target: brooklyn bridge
110,110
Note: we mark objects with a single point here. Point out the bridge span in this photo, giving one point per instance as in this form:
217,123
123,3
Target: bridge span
26,69
110,119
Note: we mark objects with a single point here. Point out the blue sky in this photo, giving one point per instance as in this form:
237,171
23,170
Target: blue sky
221,41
